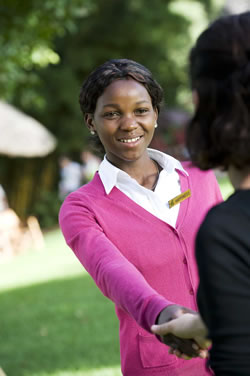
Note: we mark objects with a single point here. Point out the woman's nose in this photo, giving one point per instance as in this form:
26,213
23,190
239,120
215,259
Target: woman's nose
128,123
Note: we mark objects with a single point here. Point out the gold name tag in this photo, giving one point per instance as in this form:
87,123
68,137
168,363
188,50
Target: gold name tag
176,200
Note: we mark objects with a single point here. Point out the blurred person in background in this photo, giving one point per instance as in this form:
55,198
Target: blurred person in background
3,199
70,176
219,137
133,226
90,165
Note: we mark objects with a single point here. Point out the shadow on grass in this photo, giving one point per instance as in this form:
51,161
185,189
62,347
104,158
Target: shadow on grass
58,325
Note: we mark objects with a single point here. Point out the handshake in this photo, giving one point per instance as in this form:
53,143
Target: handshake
183,330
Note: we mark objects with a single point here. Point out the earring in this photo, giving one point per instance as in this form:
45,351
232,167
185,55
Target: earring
156,125
92,132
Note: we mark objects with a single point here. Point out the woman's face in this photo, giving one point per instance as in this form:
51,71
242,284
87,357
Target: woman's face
124,120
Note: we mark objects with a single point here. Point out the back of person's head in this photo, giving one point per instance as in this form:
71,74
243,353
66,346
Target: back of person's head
219,133
112,70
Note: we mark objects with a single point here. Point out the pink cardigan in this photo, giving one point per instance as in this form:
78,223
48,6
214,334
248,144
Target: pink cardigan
141,263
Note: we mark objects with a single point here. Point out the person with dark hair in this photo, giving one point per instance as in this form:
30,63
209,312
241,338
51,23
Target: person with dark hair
70,176
219,136
133,225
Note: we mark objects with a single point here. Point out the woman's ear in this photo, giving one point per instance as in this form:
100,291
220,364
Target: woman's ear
90,122
156,114
195,97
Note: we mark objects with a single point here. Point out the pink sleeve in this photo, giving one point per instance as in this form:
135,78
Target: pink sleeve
116,277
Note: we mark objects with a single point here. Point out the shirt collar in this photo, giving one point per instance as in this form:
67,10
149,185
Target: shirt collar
109,173
168,163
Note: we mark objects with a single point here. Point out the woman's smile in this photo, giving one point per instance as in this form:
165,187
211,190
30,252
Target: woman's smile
130,141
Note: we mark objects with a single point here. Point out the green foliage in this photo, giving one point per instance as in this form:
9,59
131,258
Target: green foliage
46,209
27,32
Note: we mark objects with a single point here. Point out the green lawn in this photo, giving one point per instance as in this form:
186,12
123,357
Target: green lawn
53,319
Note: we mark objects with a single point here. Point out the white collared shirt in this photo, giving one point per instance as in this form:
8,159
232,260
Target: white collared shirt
156,202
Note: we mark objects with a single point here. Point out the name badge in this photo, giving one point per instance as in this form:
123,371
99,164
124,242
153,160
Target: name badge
178,199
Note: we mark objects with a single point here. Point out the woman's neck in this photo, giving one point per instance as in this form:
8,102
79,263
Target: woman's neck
240,179
245,184
145,171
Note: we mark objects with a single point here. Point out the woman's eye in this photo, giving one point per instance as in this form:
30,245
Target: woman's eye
141,111
111,114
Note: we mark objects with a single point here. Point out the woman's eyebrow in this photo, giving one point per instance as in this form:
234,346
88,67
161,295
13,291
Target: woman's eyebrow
111,105
118,106
143,101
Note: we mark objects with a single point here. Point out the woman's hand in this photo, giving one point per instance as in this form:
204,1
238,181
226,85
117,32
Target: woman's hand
183,331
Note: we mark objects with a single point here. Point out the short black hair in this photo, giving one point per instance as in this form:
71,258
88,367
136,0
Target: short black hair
117,69
219,132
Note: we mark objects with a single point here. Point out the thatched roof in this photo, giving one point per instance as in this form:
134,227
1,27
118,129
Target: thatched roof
22,135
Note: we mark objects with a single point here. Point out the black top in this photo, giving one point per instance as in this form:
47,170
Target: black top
223,257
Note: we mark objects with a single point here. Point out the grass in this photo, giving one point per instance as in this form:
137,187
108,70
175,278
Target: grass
53,319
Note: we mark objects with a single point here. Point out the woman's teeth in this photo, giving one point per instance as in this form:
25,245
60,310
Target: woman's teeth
128,140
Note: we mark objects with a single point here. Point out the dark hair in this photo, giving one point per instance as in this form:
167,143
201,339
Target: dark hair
219,132
112,70
117,69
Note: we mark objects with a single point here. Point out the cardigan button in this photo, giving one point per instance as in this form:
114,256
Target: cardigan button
185,261
191,292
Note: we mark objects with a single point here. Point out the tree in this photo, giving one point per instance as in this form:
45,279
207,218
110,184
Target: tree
27,32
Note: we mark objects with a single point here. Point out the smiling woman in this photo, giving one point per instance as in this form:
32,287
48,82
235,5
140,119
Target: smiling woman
124,120
136,246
